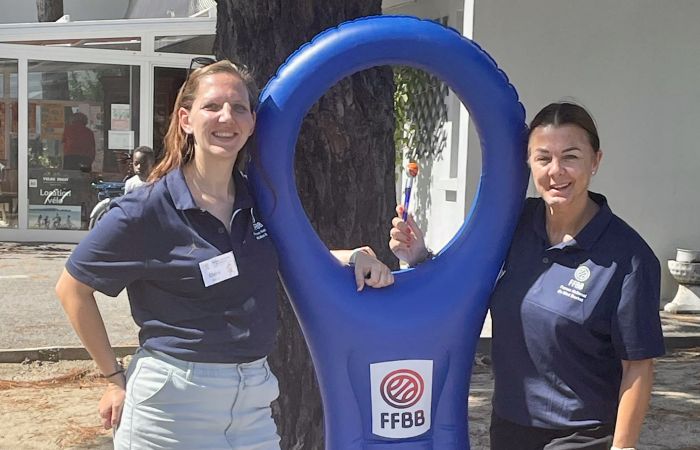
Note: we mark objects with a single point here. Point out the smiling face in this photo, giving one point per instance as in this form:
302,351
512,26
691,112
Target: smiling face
220,119
562,162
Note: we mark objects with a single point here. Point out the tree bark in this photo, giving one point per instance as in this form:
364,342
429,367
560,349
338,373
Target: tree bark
344,167
49,10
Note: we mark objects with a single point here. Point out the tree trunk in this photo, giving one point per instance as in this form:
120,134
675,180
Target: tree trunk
49,10
344,167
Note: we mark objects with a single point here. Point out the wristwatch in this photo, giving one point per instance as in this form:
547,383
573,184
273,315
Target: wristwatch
428,256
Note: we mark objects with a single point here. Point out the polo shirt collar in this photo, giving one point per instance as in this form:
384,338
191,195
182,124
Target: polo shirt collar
182,197
243,198
588,235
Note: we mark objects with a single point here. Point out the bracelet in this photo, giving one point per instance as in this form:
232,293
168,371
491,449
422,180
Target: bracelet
428,256
120,370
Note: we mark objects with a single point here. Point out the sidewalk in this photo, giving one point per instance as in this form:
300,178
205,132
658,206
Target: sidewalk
33,318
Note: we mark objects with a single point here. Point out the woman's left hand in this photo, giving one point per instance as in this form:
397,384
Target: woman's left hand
370,271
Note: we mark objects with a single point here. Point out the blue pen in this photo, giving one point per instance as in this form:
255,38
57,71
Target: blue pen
412,171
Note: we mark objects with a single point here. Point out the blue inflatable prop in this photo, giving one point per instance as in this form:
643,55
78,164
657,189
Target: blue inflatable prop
393,364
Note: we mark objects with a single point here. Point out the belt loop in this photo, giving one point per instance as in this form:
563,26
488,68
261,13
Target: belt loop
190,371
241,376
268,371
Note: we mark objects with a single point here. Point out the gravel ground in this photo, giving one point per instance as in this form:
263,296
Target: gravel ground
62,415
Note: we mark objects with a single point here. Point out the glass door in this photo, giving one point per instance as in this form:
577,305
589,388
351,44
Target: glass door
83,121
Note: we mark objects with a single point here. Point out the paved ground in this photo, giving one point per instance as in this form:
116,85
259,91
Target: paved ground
63,415
32,316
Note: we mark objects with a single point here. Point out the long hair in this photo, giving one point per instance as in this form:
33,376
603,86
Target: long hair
178,145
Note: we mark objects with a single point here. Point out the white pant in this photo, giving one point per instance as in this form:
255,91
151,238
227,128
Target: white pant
174,404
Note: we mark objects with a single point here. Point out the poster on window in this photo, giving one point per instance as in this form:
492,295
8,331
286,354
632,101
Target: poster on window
55,217
121,117
120,140
52,121
57,199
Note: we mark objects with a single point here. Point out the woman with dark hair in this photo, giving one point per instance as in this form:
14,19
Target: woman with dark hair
575,312
201,274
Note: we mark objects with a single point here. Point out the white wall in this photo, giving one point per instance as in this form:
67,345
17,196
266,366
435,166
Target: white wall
635,64
24,11
438,200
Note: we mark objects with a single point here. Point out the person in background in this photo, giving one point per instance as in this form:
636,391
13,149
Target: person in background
78,144
142,160
201,273
575,312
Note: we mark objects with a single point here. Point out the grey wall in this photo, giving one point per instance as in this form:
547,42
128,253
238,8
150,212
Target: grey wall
635,64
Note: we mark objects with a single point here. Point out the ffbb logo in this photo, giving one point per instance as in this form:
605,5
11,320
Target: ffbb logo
401,397
402,388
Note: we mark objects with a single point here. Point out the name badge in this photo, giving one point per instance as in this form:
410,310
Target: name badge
218,269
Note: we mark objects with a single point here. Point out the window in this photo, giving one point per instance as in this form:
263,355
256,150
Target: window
83,123
8,143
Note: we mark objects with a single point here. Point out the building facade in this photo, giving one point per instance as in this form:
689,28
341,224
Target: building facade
632,63
75,99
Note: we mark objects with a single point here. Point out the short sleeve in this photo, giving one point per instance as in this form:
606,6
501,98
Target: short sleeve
636,324
111,256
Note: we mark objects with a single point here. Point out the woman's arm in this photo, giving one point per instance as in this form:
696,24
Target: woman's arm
635,393
368,269
79,303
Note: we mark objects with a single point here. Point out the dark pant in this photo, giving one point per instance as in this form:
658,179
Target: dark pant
77,162
507,435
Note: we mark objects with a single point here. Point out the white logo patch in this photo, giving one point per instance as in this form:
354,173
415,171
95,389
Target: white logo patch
582,273
402,393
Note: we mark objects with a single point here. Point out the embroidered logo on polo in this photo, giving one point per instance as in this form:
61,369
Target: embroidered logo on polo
259,230
576,286
582,273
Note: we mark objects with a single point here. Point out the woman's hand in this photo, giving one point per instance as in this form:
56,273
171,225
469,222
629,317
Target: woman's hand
112,403
407,241
370,271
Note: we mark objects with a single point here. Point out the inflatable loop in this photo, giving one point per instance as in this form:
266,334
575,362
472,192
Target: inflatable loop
398,40
432,315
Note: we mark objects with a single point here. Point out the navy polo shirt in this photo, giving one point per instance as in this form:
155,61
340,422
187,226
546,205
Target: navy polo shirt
564,317
152,241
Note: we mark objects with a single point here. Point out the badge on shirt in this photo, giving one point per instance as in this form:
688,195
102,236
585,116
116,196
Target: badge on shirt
218,269
576,287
